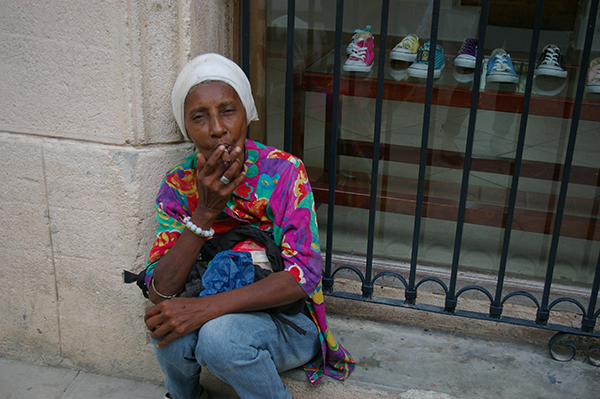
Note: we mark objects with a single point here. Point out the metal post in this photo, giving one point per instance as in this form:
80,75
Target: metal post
327,280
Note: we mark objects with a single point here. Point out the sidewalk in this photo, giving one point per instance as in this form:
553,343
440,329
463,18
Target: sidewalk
394,361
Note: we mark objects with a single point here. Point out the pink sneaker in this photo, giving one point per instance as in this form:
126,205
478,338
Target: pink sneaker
362,56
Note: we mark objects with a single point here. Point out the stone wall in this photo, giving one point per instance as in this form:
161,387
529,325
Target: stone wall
86,134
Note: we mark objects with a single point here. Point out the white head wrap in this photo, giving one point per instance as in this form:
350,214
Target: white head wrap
211,67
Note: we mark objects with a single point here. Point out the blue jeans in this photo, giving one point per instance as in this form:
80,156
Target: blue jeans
246,350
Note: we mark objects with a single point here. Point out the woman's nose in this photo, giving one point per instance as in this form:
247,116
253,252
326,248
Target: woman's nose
217,128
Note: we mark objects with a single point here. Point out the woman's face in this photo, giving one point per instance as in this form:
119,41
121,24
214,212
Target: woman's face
214,115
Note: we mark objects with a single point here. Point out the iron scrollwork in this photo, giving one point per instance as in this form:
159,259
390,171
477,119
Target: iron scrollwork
565,347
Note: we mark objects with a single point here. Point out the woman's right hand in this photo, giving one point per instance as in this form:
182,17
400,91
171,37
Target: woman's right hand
173,268
212,192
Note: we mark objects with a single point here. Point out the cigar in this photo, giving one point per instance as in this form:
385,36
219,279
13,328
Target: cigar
227,163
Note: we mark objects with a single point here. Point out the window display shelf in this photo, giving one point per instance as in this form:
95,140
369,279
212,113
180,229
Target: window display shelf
486,206
553,97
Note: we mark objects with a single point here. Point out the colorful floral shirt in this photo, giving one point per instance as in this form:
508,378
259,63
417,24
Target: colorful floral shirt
276,197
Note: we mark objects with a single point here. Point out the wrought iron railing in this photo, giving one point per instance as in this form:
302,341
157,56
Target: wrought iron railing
497,296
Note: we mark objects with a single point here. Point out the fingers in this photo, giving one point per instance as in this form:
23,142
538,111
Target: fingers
236,177
213,165
234,174
222,157
200,161
227,157
167,339
222,162
151,312
232,162
169,320
153,318
159,325
162,330
217,180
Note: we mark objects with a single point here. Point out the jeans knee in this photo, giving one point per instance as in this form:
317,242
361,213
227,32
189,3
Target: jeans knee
180,349
210,342
218,346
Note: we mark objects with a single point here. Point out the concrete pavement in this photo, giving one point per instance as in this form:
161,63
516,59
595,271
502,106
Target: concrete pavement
395,360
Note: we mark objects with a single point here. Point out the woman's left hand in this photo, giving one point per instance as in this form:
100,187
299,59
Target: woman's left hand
177,317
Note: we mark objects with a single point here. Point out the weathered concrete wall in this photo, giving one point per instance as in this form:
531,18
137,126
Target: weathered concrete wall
86,133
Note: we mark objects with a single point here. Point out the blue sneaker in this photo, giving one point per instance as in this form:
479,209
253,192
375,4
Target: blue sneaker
500,68
418,69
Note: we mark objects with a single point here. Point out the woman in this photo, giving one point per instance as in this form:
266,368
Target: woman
234,181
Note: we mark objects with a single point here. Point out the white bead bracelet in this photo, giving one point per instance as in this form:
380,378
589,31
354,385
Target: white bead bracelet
197,230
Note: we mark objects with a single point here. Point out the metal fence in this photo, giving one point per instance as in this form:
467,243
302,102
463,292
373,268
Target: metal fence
497,297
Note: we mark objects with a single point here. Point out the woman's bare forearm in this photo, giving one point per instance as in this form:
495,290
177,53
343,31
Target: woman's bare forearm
173,268
277,289
180,316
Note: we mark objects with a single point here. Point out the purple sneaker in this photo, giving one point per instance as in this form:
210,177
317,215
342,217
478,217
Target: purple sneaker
467,55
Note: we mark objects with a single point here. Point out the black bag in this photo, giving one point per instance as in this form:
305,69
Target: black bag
211,248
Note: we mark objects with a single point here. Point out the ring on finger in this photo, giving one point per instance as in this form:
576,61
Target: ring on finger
225,180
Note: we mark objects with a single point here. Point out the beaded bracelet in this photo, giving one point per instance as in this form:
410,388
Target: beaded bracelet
198,230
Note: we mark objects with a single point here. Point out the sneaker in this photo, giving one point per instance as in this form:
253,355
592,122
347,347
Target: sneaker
418,69
350,46
593,77
467,55
406,50
500,68
362,56
551,63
